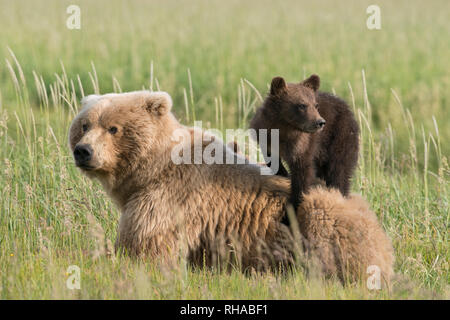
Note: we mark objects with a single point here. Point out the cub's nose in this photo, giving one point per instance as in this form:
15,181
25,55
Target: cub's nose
83,153
320,123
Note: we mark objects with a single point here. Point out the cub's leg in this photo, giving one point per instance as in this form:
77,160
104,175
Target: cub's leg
302,176
343,158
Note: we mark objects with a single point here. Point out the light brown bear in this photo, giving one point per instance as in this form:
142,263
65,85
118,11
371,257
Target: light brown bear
210,213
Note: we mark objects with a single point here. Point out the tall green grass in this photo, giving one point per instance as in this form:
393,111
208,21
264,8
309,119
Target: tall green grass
216,59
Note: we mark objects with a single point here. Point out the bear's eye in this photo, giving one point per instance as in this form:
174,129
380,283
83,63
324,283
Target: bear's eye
85,127
302,106
316,105
112,130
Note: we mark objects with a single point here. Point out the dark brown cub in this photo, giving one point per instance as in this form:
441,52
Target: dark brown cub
319,136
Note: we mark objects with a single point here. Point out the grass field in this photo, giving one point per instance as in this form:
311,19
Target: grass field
216,58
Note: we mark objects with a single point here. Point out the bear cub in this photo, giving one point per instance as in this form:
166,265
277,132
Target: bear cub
318,135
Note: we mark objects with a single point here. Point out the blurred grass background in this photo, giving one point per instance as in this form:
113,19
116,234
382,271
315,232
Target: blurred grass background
215,58
222,42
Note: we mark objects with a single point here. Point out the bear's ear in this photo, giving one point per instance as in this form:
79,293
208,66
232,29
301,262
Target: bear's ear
158,103
90,100
312,82
278,86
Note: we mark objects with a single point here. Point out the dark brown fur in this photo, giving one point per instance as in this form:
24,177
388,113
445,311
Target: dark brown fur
331,153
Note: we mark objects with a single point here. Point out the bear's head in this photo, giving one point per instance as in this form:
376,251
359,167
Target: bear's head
113,133
296,104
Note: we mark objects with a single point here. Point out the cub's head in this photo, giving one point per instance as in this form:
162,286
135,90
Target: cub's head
113,132
296,104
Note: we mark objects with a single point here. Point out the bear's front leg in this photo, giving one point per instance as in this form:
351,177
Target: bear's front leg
162,247
142,236
302,175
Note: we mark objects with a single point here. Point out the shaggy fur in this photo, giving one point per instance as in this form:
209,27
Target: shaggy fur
343,235
207,213
298,110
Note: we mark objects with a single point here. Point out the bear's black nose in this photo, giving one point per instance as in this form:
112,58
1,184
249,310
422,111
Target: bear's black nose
82,154
320,123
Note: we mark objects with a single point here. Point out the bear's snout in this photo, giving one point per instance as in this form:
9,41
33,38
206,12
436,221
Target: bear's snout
314,126
320,123
83,155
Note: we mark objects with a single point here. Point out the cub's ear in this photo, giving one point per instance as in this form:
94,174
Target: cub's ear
158,103
312,82
278,86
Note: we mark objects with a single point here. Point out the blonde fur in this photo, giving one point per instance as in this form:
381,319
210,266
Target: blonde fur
343,235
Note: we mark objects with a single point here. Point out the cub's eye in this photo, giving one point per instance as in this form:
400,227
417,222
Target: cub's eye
112,130
85,127
302,106
316,105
